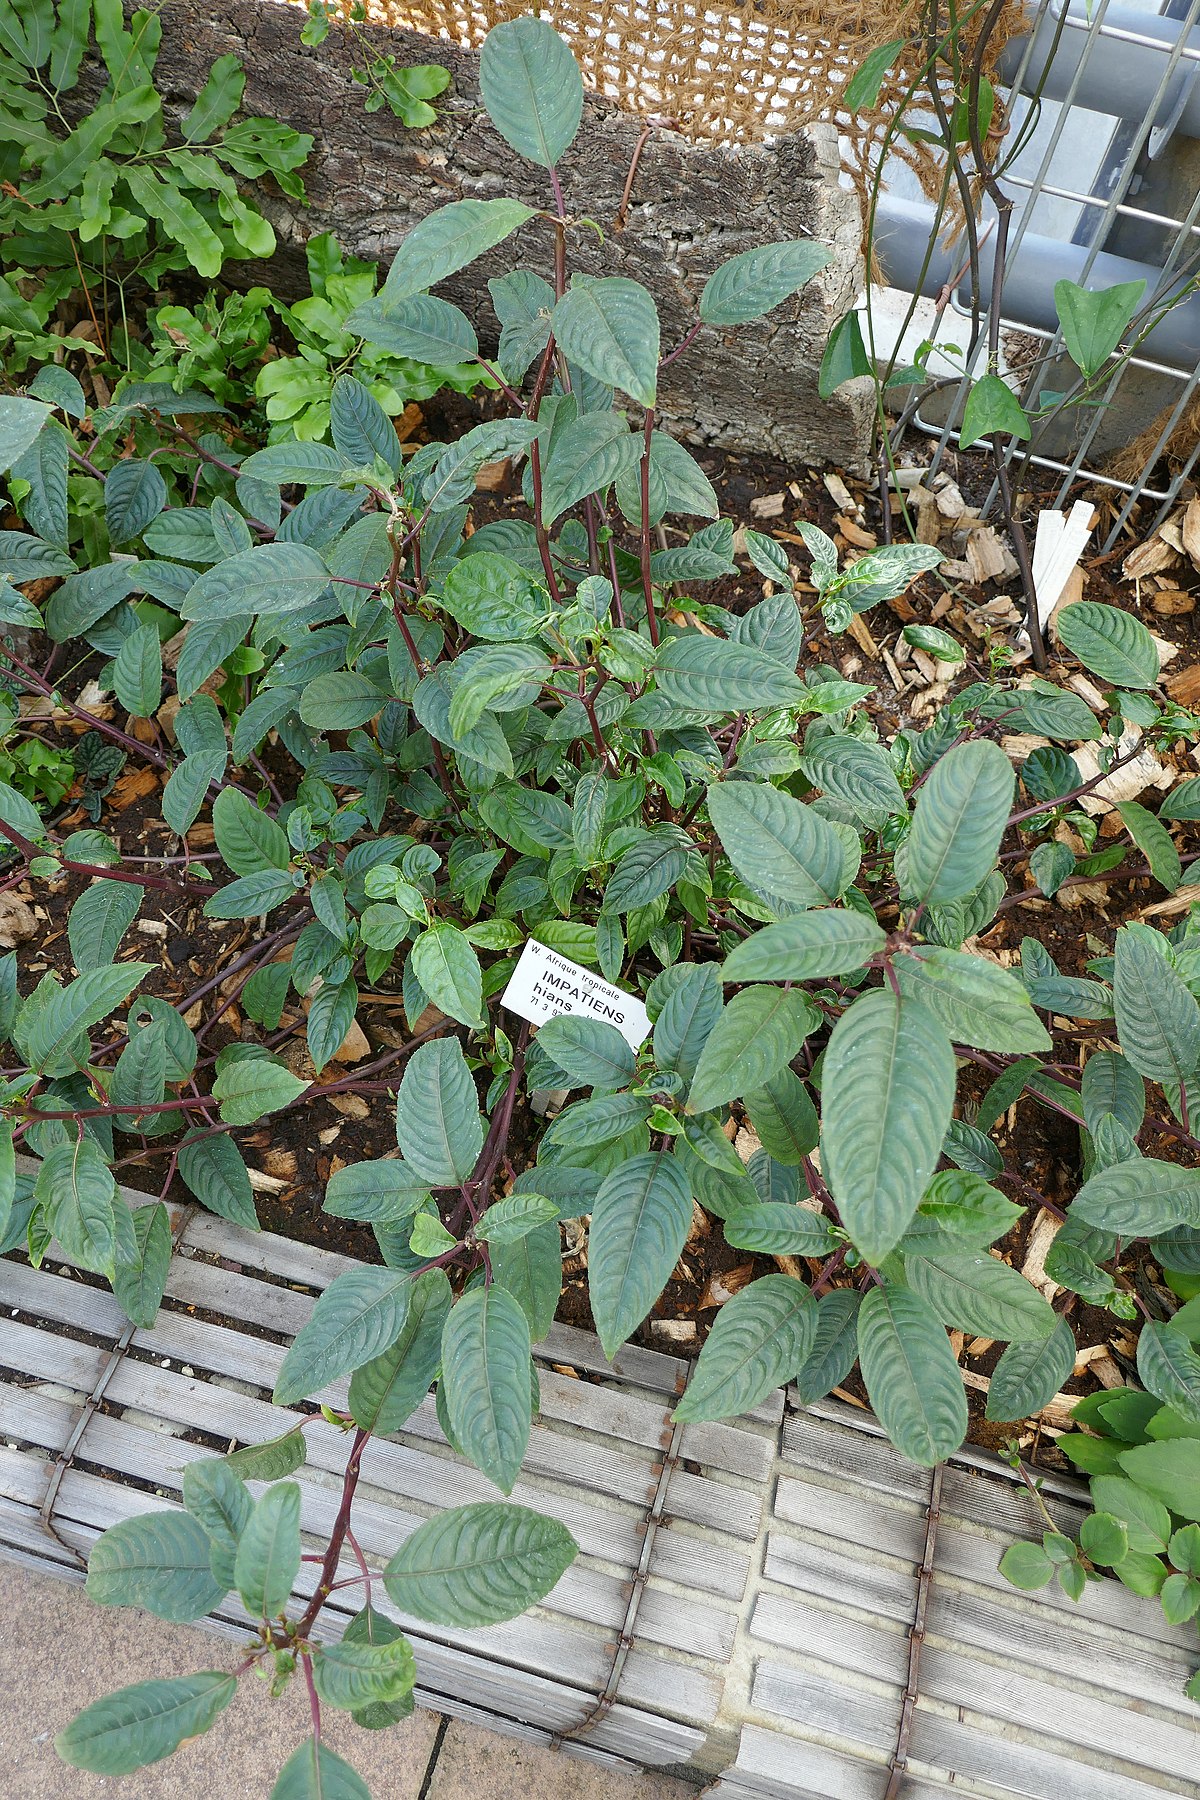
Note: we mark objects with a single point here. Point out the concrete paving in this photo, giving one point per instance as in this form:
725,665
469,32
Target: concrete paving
59,1652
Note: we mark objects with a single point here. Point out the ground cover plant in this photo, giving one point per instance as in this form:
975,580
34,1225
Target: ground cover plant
416,746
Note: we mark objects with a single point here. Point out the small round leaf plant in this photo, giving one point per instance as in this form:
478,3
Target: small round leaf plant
539,728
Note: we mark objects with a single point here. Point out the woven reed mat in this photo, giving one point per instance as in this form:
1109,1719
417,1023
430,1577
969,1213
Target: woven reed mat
730,73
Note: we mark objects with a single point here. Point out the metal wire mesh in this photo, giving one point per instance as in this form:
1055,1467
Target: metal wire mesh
1106,165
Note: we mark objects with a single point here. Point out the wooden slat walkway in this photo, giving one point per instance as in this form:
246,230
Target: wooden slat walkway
771,1643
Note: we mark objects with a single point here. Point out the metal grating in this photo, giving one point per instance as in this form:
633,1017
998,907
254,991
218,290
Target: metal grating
1103,98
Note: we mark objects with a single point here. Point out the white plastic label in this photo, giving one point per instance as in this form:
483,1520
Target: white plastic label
544,984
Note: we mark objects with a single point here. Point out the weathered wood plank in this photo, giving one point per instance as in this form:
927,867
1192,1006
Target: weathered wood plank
1007,1761
787,1768
814,1568
975,1559
853,1516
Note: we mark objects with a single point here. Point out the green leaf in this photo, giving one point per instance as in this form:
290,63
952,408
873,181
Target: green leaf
217,1496
834,1348
268,1552
1111,1085
275,579
965,1205
331,1013
315,1772
845,357
305,465
383,1192
686,1017
1184,1549
134,493
778,844
1139,1198
44,466
589,453
784,1117
422,328
340,700
76,1186
514,1217
779,1228
1154,841
958,822
182,221
609,327
589,1051
1169,1472
1026,1566
912,1379
484,743
1183,801
888,1091
756,1036
20,422
214,1169
1110,642
446,966
158,1561
372,1627
386,1391
357,1318
974,1000
216,102
857,773
447,240
485,1379
640,1221
862,89
248,838
99,920
1093,324
493,597
756,281
710,674
270,1461
992,407
248,1089
1180,1597
438,1127
55,1038
807,948
356,1675
760,1339
532,89
979,1293
479,1565
361,429
145,1722
530,1269
648,869
137,672
1028,1375
139,1283
1158,1018
1169,1369
1104,1539
1147,1521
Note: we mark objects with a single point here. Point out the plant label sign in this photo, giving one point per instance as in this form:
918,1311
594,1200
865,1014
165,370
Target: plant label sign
544,984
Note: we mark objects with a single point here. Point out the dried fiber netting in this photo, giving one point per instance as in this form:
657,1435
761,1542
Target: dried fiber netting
722,72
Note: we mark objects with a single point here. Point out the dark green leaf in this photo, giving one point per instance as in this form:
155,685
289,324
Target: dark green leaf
479,1565
888,1090
640,1222
911,1375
